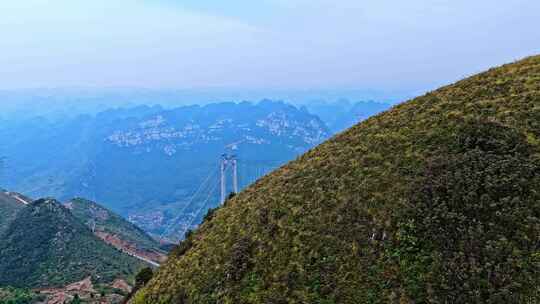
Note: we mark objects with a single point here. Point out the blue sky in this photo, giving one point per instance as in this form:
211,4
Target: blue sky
296,44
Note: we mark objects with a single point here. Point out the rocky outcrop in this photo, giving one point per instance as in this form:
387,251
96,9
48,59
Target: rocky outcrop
82,286
122,285
85,291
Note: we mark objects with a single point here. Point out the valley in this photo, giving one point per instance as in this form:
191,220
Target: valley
146,163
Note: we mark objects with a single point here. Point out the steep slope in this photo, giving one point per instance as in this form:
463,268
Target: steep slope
45,245
10,204
433,201
115,230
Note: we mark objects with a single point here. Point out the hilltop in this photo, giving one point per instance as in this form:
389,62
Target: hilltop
433,201
46,246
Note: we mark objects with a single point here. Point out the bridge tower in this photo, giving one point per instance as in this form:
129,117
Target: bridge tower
228,161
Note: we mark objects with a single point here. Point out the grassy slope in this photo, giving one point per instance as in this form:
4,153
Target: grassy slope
109,222
46,246
331,227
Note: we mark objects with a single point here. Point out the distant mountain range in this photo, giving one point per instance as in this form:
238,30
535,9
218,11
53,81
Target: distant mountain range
344,114
61,103
147,162
158,166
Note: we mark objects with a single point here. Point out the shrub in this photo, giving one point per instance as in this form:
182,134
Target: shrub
144,276
472,221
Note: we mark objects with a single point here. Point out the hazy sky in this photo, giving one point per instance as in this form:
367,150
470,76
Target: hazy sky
378,44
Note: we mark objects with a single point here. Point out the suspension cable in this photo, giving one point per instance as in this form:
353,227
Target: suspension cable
190,201
194,217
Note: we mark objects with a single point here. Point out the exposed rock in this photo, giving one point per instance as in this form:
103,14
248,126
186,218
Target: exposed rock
122,285
59,298
82,286
86,292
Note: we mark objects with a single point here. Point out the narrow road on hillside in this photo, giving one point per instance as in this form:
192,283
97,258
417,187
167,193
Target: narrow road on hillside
142,258
20,200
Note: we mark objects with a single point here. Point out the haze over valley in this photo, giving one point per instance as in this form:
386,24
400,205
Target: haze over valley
148,162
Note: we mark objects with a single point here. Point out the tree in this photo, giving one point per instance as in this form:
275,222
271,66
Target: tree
180,249
76,300
144,276
141,279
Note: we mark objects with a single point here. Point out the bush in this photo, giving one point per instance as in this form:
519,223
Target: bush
144,276
180,249
472,221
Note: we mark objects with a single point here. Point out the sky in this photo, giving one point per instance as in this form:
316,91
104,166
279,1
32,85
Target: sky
278,44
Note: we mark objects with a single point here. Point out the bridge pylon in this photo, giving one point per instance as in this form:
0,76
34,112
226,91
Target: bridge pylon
228,161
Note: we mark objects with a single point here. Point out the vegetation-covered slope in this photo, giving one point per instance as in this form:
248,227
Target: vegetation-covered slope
46,246
9,207
110,226
19,296
434,201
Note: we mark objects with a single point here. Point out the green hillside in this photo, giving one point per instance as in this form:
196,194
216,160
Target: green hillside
19,296
45,245
9,207
102,219
434,201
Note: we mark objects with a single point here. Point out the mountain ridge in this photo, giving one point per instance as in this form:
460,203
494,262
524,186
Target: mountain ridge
116,231
46,246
